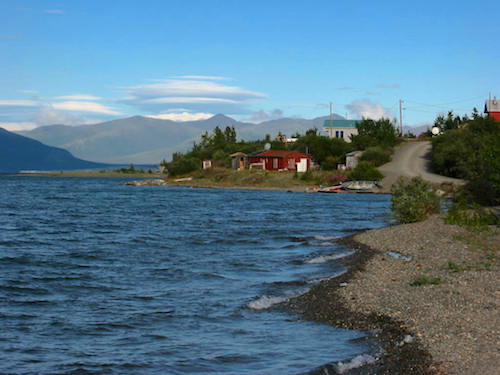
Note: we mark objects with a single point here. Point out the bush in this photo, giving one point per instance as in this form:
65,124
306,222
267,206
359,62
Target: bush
365,171
477,218
376,155
182,165
414,200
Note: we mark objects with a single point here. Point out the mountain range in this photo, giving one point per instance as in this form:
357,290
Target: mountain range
19,153
144,140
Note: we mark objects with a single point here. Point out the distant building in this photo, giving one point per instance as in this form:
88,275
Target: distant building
280,160
239,161
492,108
207,164
341,129
352,159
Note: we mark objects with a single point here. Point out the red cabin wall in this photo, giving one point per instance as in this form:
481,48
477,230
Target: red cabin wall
495,115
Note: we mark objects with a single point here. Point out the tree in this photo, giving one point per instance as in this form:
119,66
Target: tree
375,133
472,152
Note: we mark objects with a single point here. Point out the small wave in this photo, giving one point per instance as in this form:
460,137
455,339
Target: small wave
326,238
328,243
266,302
327,258
356,362
317,281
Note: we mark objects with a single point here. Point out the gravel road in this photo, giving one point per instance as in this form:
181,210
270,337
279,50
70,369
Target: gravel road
409,160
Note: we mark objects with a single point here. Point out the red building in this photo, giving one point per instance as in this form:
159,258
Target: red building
492,108
276,160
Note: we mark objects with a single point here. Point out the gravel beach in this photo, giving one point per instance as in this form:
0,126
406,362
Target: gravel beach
449,325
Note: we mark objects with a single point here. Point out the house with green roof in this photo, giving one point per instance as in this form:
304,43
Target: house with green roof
341,129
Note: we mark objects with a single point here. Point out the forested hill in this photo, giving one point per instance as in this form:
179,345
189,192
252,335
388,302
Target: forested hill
21,153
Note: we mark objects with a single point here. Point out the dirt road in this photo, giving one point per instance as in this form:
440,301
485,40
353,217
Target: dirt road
409,160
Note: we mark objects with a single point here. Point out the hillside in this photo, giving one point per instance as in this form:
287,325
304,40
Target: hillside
143,140
21,153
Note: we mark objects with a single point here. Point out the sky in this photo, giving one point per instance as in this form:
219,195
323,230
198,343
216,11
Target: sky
83,62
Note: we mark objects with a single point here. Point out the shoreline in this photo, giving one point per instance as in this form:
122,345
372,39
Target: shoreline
430,329
324,304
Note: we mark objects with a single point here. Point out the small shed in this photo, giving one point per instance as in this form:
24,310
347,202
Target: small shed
207,164
281,160
352,159
239,161
492,108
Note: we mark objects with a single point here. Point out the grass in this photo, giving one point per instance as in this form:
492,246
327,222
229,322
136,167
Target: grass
222,177
425,280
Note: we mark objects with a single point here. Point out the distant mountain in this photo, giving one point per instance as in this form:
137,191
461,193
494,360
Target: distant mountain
19,153
143,140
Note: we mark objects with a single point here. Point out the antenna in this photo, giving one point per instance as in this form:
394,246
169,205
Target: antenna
267,146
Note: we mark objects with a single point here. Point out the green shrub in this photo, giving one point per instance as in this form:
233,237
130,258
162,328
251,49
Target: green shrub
477,218
182,165
365,171
414,200
376,155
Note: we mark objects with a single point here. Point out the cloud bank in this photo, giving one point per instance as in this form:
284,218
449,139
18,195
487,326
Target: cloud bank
368,109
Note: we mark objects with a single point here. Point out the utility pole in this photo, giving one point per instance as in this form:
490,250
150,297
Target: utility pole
401,116
331,121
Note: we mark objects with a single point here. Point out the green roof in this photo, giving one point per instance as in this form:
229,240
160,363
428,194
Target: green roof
340,123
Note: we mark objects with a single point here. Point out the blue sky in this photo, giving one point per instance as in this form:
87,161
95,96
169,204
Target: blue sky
79,62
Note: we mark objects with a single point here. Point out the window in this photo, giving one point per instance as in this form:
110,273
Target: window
339,134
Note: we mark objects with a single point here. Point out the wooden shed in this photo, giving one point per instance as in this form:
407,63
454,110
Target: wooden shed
280,160
239,161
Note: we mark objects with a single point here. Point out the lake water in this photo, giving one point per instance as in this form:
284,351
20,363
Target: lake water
101,278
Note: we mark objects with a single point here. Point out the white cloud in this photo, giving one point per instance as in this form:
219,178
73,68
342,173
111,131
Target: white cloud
80,106
182,116
28,91
77,97
202,94
16,126
261,116
47,115
53,11
367,109
190,88
188,99
18,103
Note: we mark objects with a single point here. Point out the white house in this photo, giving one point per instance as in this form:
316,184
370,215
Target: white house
341,129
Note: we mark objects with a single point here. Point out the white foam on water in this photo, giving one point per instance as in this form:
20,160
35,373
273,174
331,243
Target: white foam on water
317,281
326,238
266,302
327,258
356,362
322,244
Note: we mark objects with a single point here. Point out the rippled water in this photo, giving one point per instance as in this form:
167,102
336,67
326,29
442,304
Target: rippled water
100,278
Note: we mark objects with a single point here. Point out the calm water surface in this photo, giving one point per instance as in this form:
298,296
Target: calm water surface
100,278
